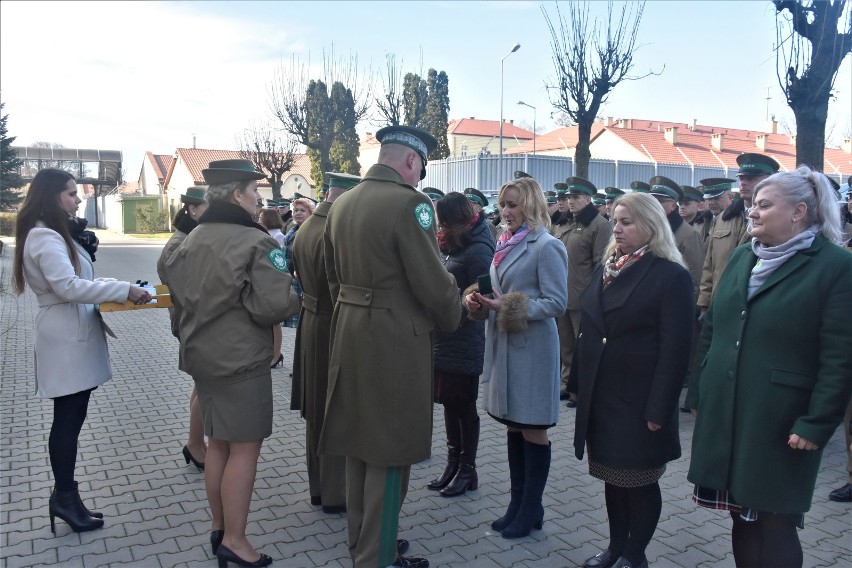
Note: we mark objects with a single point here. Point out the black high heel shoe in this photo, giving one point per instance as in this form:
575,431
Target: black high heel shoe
278,362
188,456
215,540
94,514
225,555
67,506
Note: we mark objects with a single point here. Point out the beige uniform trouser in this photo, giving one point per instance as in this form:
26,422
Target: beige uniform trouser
374,496
568,327
326,473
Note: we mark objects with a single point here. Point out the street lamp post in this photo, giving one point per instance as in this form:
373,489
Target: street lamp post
515,48
532,107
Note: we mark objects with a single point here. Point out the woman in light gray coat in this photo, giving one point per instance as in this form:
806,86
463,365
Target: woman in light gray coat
54,255
521,376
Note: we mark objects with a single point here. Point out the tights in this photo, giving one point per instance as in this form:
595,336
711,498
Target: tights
633,514
771,540
69,413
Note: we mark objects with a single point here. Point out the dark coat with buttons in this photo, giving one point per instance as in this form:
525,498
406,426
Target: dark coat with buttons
776,364
462,351
630,361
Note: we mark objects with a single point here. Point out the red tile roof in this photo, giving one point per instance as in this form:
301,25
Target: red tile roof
197,159
474,127
161,164
560,139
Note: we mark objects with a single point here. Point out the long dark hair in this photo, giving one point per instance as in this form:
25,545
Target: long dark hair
42,204
454,214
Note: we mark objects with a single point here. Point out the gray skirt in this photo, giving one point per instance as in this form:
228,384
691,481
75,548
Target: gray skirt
236,410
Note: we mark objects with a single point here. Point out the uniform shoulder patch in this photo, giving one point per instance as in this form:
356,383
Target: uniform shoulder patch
424,215
278,260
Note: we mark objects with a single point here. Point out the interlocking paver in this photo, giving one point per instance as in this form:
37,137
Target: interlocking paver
130,468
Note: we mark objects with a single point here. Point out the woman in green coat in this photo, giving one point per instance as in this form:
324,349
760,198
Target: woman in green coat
776,352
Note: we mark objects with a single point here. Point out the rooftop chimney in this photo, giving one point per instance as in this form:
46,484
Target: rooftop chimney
625,123
608,121
671,135
772,125
792,140
717,141
694,124
847,145
760,141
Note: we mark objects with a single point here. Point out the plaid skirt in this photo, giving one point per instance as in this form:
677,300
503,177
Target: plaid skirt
721,499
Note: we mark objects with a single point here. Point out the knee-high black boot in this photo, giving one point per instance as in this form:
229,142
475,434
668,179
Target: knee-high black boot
453,426
466,477
531,513
515,447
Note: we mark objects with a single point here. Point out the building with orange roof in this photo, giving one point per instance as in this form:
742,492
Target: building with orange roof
471,136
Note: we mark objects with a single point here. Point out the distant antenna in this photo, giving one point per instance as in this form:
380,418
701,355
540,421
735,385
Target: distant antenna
193,140
767,103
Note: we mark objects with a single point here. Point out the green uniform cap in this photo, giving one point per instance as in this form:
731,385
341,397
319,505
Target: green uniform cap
300,196
194,195
714,187
418,140
598,201
580,186
612,193
433,193
476,196
561,190
661,186
550,196
519,174
756,165
345,181
224,171
640,186
691,194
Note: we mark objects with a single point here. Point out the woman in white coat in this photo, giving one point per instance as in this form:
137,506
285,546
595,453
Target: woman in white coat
521,376
54,255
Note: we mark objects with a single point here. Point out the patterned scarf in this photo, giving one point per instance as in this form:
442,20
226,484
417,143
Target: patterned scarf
615,264
507,242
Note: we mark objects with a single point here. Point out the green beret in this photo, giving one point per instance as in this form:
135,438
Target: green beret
640,186
691,194
753,164
661,186
714,187
580,186
476,196
344,181
194,195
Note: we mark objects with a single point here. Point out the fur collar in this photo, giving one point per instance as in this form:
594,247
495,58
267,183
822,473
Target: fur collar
675,220
702,217
224,212
561,218
735,209
587,214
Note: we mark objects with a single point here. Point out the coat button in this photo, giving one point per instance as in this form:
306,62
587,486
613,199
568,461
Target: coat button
743,314
366,296
738,344
730,374
603,340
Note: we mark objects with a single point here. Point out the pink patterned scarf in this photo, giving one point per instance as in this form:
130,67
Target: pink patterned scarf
507,242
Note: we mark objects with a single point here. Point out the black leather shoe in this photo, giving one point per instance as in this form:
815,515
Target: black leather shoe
316,500
841,494
604,559
401,546
625,563
571,404
333,509
225,555
564,396
215,540
411,562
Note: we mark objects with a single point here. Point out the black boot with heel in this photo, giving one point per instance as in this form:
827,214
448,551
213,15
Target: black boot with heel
531,513
453,449
515,447
68,506
465,478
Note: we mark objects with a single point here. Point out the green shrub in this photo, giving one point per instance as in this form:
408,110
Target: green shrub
7,223
148,221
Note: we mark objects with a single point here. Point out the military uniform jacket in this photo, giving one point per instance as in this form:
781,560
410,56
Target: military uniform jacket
585,238
776,364
690,246
310,361
171,246
231,285
702,222
726,234
384,269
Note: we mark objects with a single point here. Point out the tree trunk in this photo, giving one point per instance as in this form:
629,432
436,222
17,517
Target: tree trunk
810,134
582,154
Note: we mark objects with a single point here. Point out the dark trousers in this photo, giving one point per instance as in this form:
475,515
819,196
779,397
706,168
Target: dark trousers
69,413
771,540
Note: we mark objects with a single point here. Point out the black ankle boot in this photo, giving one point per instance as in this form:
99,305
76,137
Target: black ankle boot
449,471
95,514
515,448
67,506
464,479
531,513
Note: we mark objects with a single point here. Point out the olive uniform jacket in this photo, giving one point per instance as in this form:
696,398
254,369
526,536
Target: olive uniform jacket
384,270
310,360
585,239
726,234
777,364
691,247
231,285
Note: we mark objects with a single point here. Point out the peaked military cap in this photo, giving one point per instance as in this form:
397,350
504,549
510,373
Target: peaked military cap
598,201
612,193
550,196
661,186
476,196
691,194
580,186
300,196
282,203
640,186
345,181
561,190
714,187
754,164
519,174
194,195
418,140
433,193
224,171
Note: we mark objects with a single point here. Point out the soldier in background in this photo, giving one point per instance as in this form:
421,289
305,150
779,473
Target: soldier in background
691,211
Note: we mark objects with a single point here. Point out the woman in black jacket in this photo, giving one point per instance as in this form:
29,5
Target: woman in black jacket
468,249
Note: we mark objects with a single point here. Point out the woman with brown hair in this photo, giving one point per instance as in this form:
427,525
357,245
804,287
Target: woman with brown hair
467,250
54,255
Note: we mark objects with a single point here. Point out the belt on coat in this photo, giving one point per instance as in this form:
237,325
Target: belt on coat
47,300
313,305
366,297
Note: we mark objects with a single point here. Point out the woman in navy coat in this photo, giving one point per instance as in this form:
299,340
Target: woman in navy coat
635,332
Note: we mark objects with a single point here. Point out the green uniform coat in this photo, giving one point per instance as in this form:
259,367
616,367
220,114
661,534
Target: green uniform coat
384,270
725,236
775,365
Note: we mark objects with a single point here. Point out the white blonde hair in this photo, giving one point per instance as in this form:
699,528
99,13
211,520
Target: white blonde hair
531,201
651,219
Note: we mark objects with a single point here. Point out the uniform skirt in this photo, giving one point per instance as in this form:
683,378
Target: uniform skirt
236,410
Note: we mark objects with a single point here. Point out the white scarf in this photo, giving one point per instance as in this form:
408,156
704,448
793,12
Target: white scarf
770,259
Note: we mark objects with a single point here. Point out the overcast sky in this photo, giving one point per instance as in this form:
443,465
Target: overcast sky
146,76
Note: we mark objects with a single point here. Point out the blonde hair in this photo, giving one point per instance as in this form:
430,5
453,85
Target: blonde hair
651,219
531,201
303,202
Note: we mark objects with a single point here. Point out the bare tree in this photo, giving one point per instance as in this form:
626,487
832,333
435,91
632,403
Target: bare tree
303,107
270,153
389,103
813,39
589,64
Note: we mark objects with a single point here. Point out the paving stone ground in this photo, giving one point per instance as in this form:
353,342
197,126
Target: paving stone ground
130,467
